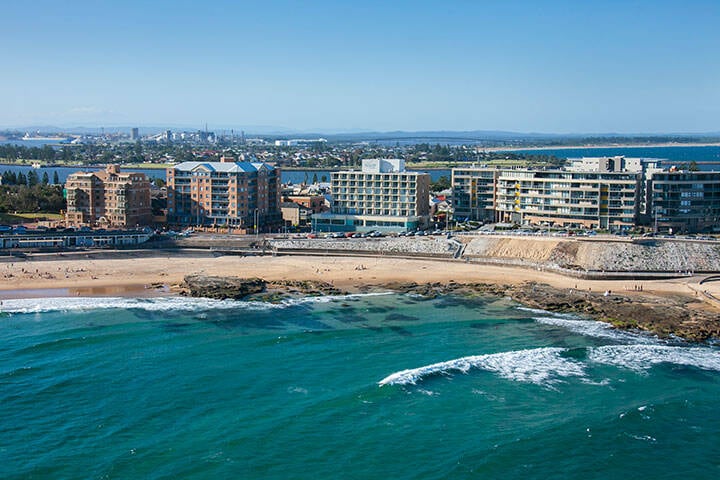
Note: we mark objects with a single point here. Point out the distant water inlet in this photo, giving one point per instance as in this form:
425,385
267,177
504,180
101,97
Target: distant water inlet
357,386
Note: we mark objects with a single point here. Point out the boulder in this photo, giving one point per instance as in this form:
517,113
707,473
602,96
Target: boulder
223,287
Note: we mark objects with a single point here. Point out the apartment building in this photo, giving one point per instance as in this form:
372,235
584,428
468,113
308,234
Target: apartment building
568,199
474,193
108,198
381,196
583,197
684,201
243,195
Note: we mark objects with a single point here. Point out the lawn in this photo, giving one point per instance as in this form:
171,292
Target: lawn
13,218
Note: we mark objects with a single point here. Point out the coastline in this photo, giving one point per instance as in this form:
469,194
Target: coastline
666,307
604,145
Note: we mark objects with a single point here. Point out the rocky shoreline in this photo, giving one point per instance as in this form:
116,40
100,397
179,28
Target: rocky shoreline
668,315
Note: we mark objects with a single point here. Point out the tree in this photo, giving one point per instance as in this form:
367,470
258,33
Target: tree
693,167
32,178
443,183
315,178
56,179
21,179
45,178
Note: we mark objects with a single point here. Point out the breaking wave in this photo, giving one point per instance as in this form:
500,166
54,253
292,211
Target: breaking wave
594,328
158,304
643,357
547,366
542,366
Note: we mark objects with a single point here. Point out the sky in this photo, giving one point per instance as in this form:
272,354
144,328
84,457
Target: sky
339,66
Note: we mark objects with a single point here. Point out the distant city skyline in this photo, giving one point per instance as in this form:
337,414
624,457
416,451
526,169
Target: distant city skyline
546,67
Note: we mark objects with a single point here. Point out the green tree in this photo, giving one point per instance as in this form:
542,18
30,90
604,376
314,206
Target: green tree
21,179
693,167
442,183
315,178
56,179
32,178
45,178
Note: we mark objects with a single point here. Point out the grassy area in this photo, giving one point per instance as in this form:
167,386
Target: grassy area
28,162
61,163
13,218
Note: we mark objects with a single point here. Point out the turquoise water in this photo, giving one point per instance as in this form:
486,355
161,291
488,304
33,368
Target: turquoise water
378,386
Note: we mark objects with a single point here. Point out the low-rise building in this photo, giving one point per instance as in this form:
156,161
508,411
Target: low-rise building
108,198
382,196
295,215
315,203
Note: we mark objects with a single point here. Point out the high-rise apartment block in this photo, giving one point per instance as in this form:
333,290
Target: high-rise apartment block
588,199
108,198
598,192
382,196
243,195
684,201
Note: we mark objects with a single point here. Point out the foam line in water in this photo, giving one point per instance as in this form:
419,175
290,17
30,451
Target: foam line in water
594,328
644,357
540,311
542,366
157,304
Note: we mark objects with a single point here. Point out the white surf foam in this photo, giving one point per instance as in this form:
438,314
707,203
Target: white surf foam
542,366
64,304
156,304
644,357
540,311
593,328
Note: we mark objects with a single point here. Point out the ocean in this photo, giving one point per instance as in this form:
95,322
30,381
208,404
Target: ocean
359,387
674,155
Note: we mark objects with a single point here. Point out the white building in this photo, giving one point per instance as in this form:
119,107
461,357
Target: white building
382,196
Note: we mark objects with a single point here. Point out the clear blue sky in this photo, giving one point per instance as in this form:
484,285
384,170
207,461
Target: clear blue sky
530,66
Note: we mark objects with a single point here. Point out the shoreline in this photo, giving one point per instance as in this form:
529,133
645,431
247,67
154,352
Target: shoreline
645,304
605,145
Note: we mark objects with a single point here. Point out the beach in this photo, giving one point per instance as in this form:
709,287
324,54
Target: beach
105,273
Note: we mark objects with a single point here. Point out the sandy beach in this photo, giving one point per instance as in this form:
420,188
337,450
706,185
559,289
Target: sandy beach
122,273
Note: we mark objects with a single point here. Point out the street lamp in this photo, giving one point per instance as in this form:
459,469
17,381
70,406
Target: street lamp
257,226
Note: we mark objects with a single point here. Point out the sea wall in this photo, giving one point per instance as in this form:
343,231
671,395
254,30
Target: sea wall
598,255
428,246
562,254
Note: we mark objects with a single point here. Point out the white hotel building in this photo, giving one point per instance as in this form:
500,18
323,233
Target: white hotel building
382,196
